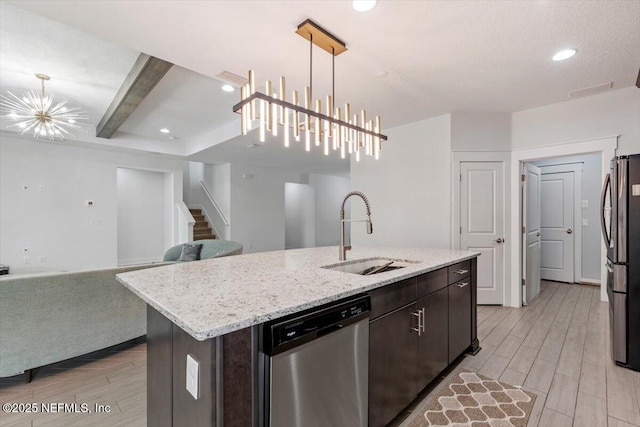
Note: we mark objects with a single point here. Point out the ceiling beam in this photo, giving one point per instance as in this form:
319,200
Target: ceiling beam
143,77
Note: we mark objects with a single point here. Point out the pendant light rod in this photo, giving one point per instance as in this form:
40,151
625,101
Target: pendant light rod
310,66
333,75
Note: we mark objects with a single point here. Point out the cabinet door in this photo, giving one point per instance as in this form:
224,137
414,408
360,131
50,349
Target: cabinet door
459,318
392,364
433,350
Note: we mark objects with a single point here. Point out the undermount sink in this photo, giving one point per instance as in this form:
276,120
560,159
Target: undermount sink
369,266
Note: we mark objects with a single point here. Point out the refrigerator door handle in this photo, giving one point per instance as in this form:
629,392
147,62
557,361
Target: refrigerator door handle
603,220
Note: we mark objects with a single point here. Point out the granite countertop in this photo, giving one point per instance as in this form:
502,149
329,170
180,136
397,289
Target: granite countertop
213,297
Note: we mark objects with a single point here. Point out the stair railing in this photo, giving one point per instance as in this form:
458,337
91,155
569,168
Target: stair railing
186,223
215,205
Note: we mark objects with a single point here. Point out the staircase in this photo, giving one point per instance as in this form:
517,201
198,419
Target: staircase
201,229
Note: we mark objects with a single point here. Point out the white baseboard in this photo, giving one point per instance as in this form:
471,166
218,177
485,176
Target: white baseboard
135,261
590,282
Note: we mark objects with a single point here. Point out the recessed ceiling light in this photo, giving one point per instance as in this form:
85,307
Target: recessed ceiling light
564,54
364,5
165,130
172,137
228,88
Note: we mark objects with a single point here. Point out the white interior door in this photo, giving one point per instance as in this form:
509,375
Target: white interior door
532,232
482,224
557,225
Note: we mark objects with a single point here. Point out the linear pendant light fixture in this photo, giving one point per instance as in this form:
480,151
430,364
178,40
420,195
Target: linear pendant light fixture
332,127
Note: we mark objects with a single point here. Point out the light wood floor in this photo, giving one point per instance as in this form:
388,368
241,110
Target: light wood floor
116,377
555,348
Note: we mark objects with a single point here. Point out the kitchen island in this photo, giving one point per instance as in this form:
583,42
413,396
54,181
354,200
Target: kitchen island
212,310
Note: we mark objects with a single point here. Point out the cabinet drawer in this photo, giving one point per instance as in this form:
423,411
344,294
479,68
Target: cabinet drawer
432,282
459,271
391,297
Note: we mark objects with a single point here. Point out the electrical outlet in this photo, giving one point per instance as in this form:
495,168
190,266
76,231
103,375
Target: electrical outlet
585,204
193,374
27,260
43,259
585,222
42,188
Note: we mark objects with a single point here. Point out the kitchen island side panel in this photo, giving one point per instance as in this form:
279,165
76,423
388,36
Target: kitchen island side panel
159,369
237,379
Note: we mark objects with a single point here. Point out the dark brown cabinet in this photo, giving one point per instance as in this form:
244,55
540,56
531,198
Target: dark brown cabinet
418,327
433,349
392,364
459,318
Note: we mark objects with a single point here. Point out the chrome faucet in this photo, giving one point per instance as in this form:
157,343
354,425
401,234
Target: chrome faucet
344,248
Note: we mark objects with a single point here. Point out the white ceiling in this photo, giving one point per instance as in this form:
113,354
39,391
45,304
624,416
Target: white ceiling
84,69
440,56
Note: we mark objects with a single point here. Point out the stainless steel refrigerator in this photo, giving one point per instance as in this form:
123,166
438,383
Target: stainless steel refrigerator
620,217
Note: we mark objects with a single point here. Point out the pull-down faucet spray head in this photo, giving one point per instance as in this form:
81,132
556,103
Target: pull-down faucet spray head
344,248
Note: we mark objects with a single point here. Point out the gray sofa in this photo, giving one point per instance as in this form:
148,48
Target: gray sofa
47,318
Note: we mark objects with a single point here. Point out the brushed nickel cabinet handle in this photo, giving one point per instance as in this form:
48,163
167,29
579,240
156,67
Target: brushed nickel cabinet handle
461,271
423,322
419,328
463,284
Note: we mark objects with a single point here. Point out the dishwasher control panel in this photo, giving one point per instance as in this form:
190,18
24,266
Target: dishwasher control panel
280,334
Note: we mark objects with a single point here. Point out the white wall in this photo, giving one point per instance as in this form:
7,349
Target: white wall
472,131
299,212
55,223
257,206
141,216
598,116
591,187
409,187
329,192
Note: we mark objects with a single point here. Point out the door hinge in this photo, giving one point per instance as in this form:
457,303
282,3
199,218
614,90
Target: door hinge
460,229
524,230
523,178
460,177
524,282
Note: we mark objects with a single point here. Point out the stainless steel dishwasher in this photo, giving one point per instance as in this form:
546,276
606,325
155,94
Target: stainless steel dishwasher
314,367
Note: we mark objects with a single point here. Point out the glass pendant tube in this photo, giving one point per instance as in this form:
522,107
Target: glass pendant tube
274,117
285,113
346,130
307,119
247,109
243,113
252,90
317,122
296,117
376,139
327,125
263,119
268,106
282,98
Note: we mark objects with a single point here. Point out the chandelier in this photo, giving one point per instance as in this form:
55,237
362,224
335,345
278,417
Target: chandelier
36,112
333,128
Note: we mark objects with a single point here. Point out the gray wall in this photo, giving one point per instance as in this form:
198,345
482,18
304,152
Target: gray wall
591,186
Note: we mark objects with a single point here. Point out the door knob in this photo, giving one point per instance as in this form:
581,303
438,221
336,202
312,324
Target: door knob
569,231
537,234
499,240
